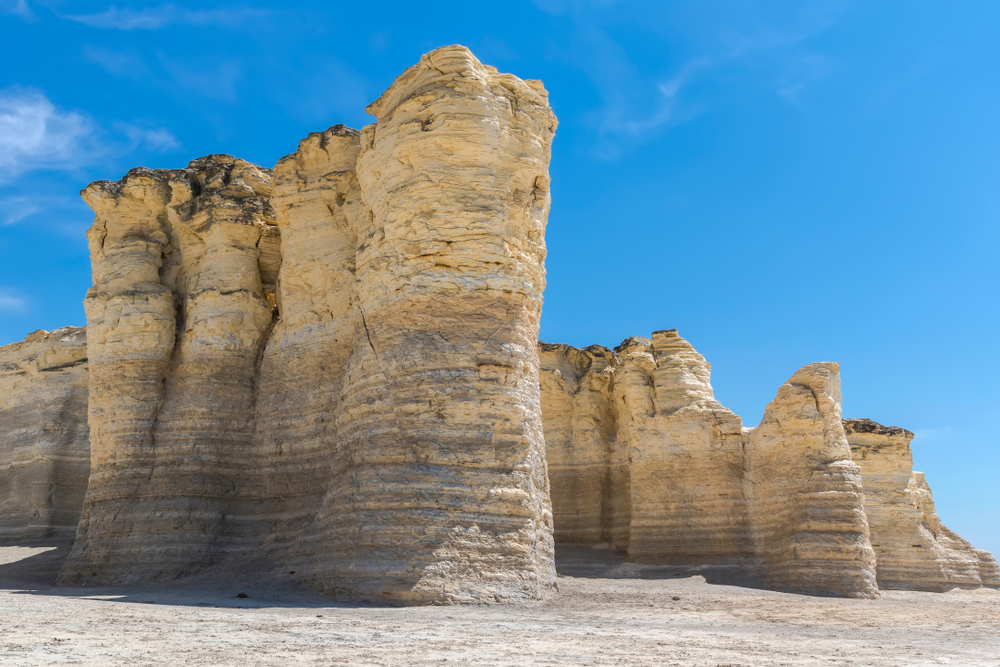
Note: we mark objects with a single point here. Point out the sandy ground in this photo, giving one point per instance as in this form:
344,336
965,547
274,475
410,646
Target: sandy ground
617,614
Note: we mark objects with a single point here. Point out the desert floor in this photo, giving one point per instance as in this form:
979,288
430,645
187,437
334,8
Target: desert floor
613,614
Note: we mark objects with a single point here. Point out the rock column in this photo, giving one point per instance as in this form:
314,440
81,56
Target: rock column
444,494
176,320
805,494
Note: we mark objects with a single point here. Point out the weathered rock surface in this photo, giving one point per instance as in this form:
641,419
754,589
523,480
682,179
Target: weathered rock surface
581,430
805,494
439,489
685,454
644,457
914,550
44,451
348,389
378,431
176,321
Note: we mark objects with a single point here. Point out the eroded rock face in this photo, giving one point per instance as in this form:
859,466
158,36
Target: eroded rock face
44,449
685,454
581,431
367,415
805,493
176,321
439,490
644,457
913,549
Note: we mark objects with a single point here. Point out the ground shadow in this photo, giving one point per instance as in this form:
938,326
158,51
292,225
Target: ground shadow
602,561
32,568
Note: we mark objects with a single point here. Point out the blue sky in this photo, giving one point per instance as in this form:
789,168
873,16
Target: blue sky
784,182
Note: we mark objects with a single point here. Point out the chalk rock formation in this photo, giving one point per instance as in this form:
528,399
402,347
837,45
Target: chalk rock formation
581,430
439,489
176,320
44,452
685,454
805,494
367,414
644,457
913,549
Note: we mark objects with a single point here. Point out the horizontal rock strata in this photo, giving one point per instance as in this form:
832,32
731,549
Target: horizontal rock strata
332,372
439,490
805,493
644,457
176,321
914,550
344,386
44,449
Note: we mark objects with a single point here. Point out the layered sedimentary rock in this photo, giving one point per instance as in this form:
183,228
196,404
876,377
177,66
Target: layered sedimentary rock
685,455
176,321
914,550
644,457
44,449
581,429
805,493
439,488
367,415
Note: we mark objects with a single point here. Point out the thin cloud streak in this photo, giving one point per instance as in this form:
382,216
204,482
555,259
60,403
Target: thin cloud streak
636,104
164,16
35,135
10,303
16,209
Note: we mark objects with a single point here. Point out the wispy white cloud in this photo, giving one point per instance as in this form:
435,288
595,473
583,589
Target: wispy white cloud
721,40
10,303
36,135
16,209
164,16
17,8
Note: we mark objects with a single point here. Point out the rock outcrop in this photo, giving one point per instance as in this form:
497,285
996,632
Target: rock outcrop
805,493
44,453
581,431
914,550
642,456
685,454
177,318
439,488
367,415
332,372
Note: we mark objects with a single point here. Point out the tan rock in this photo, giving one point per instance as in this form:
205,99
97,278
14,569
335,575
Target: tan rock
44,449
439,489
176,321
914,551
685,455
382,437
318,206
581,429
675,478
804,492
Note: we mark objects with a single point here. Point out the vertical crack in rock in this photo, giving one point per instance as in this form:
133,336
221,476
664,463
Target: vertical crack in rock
914,551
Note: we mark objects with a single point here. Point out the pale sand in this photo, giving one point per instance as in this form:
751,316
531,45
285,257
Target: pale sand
594,620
